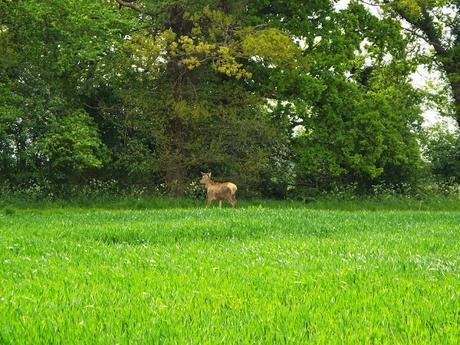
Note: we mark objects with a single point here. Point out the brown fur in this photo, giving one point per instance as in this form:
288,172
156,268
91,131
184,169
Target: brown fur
219,191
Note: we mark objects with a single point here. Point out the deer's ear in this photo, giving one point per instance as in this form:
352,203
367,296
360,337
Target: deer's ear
209,174
202,173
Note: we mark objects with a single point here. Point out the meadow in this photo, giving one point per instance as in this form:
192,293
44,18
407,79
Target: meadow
266,273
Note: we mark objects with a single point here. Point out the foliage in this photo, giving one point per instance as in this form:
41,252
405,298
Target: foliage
149,93
443,153
50,52
438,24
72,145
364,126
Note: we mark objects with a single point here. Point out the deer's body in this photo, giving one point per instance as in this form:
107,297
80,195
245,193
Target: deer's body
219,191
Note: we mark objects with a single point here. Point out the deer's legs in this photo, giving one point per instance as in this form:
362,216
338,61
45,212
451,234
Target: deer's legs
209,203
220,203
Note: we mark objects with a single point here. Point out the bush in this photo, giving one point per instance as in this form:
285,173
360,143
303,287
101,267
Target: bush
443,153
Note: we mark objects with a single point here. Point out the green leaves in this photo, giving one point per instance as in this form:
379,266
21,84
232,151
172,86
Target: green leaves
158,90
443,153
71,145
270,44
436,23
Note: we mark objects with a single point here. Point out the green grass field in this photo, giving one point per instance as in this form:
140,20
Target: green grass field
255,275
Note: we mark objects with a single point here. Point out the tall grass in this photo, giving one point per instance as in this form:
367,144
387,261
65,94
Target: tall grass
431,203
168,272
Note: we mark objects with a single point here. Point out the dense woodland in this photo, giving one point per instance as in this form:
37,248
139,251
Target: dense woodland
286,98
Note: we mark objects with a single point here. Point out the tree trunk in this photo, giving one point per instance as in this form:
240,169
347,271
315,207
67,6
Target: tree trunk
453,76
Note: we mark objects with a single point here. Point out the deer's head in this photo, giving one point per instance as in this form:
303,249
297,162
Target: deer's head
205,178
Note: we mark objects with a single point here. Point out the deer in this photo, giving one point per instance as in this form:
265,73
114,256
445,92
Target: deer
218,191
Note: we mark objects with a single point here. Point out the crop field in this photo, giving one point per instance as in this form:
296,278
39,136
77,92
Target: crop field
254,275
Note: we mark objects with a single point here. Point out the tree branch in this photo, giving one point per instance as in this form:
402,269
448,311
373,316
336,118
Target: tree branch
129,3
370,4
132,5
437,45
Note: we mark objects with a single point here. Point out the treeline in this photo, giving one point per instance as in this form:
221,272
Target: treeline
286,98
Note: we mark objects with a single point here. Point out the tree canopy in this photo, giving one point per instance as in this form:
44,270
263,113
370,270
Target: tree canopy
277,95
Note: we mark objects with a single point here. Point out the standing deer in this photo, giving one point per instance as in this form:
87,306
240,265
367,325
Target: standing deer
218,191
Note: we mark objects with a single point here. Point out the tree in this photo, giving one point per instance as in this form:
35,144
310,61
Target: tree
359,112
197,65
148,92
71,145
437,22
46,66
443,153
